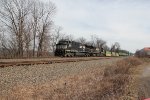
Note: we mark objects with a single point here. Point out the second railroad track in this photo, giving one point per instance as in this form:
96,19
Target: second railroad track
47,61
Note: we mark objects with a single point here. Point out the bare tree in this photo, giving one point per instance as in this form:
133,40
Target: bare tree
98,42
55,37
1,33
27,40
106,48
1,43
93,40
45,24
69,37
41,19
115,47
13,15
6,46
81,40
35,19
26,21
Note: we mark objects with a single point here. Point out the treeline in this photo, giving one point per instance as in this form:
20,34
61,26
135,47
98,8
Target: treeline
102,45
27,30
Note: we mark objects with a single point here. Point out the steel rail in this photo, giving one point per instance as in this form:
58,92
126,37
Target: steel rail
51,61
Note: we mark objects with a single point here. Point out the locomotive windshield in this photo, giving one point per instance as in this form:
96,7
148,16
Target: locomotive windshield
63,42
61,46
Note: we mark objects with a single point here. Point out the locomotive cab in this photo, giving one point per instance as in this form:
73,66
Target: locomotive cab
61,47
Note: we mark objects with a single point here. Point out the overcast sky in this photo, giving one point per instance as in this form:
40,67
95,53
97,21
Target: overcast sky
123,21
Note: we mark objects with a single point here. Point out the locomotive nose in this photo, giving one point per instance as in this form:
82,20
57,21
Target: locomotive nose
59,52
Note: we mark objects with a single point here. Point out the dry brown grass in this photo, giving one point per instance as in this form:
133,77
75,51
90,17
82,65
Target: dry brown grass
109,83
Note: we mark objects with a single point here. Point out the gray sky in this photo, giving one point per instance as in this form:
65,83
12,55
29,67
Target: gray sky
123,21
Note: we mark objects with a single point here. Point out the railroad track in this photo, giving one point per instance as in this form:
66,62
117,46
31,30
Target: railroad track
51,61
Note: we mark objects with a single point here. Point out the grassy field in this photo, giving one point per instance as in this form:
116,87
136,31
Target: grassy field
113,81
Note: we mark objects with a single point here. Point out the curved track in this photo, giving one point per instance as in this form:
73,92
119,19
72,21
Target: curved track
22,62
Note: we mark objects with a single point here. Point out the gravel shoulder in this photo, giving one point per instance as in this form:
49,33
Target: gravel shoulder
40,74
144,88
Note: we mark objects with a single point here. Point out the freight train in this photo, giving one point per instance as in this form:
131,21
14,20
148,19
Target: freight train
66,48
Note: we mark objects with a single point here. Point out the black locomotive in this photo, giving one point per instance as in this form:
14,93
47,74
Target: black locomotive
66,48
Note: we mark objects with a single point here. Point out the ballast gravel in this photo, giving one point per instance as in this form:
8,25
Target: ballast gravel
40,74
